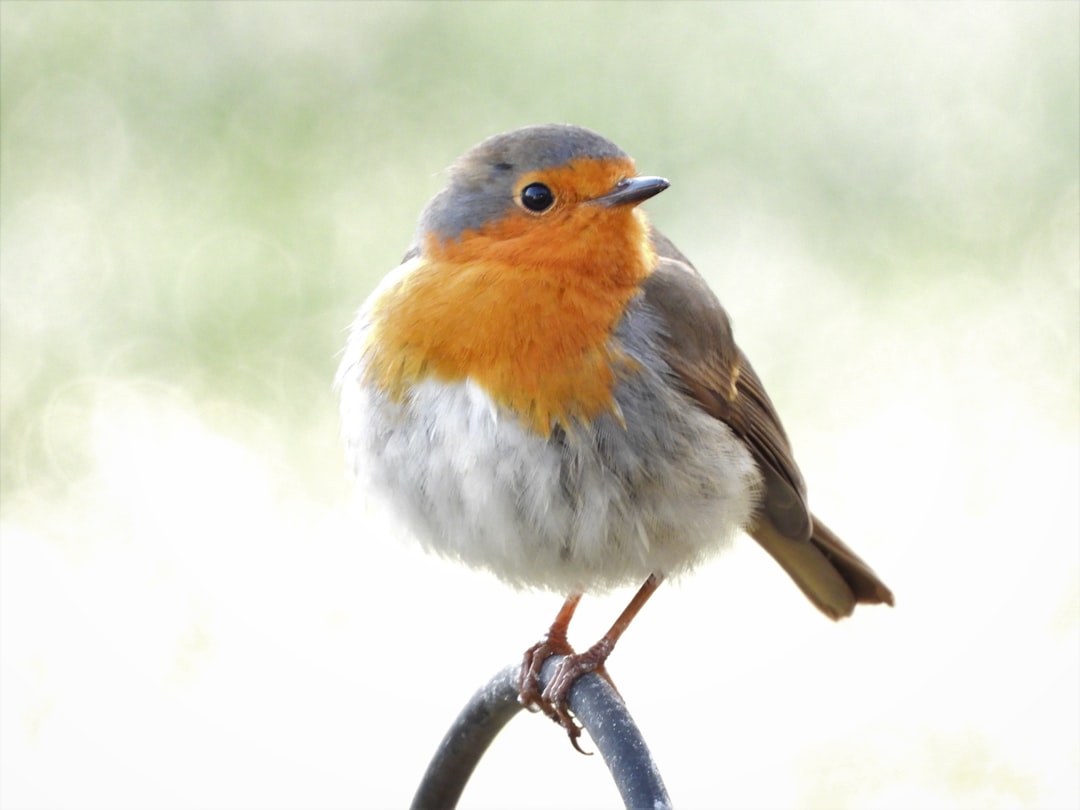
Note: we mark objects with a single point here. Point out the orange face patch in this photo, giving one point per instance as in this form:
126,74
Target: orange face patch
524,306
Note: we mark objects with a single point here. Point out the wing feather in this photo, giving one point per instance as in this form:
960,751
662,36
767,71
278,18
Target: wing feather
709,367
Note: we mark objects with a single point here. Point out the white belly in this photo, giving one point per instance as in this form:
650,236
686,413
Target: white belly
587,509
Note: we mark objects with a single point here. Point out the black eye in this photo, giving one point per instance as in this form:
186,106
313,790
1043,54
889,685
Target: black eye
537,197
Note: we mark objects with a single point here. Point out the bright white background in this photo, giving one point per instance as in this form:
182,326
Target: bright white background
196,613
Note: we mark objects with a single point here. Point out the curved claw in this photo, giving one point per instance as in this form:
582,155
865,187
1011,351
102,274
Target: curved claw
528,680
567,671
554,700
573,731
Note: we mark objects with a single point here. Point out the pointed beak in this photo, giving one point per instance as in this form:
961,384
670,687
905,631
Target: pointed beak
632,191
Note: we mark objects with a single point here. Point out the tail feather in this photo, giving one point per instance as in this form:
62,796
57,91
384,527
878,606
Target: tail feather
860,577
831,575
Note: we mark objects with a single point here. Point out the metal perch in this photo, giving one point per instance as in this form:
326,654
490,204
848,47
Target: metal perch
596,705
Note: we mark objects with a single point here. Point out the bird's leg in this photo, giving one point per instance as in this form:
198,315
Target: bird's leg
574,665
553,643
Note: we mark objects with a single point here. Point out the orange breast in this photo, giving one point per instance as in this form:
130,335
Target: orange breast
525,308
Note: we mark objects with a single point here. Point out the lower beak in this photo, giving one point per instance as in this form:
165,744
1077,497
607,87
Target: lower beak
632,191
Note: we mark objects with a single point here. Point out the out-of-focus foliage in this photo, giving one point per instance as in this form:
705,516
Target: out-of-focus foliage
201,194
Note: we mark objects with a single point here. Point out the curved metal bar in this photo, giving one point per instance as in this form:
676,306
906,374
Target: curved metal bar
601,710
594,702
466,741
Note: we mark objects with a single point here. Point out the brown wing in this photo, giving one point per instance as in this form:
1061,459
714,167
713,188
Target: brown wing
713,371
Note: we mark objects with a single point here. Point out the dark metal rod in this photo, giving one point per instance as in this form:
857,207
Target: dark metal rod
466,741
593,701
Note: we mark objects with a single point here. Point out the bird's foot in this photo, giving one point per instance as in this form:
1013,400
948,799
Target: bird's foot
528,681
554,701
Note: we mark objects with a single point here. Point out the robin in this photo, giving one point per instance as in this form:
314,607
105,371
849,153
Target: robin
546,389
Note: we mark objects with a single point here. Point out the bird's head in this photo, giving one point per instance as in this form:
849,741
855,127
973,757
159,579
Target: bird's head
541,195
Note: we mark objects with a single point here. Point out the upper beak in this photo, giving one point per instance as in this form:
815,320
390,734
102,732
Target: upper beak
633,190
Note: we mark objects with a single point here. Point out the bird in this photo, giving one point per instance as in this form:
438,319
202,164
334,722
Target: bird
545,388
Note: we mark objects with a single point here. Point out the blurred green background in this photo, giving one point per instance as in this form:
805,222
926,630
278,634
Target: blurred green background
195,198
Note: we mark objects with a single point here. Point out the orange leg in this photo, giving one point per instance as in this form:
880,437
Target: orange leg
554,699
553,643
